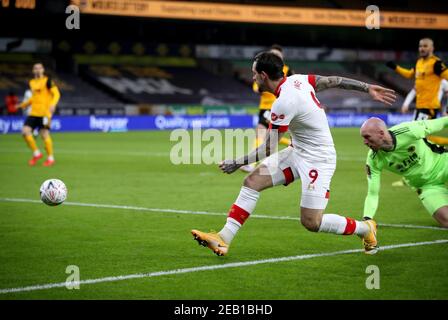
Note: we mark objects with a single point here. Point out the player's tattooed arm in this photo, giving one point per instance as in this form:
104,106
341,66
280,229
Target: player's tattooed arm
268,147
323,83
378,93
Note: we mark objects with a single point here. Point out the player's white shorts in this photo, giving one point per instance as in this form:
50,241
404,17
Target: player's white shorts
286,166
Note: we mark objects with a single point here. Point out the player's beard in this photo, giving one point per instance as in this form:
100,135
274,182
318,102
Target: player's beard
262,87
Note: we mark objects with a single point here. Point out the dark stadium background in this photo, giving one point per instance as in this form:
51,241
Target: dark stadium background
130,209
226,81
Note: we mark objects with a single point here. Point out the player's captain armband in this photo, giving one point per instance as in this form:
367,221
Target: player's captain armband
368,171
278,127
439,67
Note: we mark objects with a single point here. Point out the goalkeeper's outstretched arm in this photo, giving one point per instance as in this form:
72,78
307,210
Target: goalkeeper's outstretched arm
373,190
424,128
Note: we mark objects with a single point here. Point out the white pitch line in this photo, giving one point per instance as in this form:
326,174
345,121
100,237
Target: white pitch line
156,210
211,267
411,226
207,213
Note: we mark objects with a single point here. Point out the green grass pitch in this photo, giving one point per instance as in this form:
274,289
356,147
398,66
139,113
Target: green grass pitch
38,242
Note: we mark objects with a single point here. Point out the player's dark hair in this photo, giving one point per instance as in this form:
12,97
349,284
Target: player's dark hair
270,63
277,47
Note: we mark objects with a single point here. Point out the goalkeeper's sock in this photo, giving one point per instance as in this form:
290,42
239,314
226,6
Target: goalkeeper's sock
239,213
438,140
49,147
31,142
333,223
285,141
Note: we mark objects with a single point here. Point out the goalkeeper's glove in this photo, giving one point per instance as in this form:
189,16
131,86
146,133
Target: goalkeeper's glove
391,65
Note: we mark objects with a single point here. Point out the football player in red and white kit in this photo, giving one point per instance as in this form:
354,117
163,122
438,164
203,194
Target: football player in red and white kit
311,157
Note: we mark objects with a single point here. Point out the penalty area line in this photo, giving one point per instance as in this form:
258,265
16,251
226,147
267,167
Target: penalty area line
207,213
210,267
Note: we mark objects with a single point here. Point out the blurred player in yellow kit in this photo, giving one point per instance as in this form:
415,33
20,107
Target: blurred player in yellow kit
264,113
45,96
428,72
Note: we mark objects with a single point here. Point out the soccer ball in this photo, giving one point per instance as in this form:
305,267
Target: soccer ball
53,192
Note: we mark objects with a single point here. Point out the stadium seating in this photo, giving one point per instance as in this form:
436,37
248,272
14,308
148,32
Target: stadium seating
170,85
77,96
402,85
107,88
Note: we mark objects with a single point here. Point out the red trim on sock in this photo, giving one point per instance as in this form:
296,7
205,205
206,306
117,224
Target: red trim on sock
239,214
289,176
350,227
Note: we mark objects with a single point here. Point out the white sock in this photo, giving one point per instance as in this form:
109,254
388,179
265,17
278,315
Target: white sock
361,228
333,223
240,211
36,153
229,230
247,199
51,158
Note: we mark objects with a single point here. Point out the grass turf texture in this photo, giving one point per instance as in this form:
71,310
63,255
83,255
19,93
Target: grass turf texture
38,242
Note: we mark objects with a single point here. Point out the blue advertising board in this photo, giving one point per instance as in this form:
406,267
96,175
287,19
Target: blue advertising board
13,124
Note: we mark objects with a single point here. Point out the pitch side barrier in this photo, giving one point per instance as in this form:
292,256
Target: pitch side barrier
13,124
